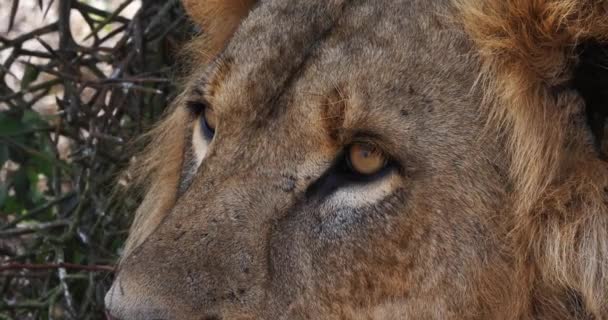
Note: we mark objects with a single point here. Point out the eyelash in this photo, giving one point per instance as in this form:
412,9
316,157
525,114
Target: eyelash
196,107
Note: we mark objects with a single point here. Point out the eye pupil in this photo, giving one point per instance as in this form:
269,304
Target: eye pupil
365,159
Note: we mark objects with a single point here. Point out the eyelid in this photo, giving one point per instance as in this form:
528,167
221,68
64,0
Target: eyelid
378,141
365,138
196,107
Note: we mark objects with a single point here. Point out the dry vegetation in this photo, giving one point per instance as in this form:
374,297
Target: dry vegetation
79,80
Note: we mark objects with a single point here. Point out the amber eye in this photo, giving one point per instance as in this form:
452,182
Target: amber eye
365,159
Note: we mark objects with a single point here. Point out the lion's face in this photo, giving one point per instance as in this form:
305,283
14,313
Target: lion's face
332,162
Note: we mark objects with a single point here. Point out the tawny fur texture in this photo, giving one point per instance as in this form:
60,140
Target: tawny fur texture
556,215
529,50
218,19
157,169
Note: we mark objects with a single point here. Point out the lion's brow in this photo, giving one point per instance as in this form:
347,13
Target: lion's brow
281,48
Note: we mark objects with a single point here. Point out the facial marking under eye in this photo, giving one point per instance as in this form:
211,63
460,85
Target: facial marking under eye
359,195
199,143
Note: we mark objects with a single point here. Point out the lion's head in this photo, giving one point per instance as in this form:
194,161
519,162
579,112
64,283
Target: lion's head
385,159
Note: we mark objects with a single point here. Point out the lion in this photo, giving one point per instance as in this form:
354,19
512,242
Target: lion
378,159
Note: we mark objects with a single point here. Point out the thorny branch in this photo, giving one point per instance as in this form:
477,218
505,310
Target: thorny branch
50,266
63,210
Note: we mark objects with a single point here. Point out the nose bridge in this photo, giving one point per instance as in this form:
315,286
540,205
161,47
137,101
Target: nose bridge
242,200
210,251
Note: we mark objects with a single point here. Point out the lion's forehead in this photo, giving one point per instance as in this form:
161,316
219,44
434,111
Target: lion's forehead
282,44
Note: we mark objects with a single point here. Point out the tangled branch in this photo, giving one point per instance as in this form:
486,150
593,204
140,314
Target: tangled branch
72,97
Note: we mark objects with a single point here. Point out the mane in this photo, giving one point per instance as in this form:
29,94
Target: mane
529,50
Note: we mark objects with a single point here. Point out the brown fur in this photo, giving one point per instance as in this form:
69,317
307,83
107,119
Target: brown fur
529,51
218,18
524,237
157,172
158,167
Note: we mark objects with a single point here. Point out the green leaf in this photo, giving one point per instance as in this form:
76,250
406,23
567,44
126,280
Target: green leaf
33,170
9,126
12,206
32,120
21,185
42,165
4,185
30,75
3,194
29,122
78,258
3,154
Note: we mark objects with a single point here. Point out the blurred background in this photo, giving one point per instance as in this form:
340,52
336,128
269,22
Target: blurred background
79,80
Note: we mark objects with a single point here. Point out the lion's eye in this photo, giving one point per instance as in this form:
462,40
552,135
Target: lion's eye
365,159
208,122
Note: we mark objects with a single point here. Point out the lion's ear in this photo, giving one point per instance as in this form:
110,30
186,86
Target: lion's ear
218,18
